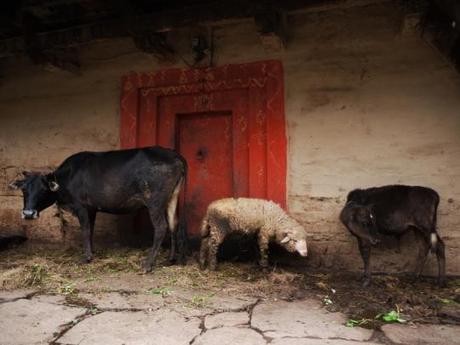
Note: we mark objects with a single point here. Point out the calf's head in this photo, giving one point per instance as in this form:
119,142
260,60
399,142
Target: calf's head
39,192
294,239
360,221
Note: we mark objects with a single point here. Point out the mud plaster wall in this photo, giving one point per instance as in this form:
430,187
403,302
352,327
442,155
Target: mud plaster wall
367,103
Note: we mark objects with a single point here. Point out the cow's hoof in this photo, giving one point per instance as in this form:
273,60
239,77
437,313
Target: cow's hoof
171,262
442,283
87,260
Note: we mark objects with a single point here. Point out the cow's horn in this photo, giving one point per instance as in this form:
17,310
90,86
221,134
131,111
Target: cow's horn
54,186
13,185
285,240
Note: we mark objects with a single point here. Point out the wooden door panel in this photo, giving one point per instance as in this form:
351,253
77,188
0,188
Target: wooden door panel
206,142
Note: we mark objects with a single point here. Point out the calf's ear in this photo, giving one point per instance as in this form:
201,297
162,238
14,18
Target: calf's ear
54,186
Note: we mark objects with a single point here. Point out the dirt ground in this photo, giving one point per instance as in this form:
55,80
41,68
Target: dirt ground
60,271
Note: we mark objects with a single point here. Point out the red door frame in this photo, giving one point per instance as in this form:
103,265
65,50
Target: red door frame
264,83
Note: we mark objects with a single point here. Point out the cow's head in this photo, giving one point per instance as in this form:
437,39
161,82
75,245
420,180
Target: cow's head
294,239
39,192
360,221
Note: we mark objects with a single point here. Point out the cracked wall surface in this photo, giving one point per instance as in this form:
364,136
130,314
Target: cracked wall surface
366,105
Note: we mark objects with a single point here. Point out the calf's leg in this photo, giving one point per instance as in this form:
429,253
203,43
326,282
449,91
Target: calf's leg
441,256
365,250
423,250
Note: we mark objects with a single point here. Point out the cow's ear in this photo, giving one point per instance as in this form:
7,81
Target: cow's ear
52,183
371,210
16,184
26,173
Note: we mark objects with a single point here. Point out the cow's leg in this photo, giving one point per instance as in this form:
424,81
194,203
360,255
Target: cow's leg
365,250
92,221
160,226
172,253
263,250
441,256
172,220
424,248
86,219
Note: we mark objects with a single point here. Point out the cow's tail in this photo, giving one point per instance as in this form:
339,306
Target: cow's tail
182,236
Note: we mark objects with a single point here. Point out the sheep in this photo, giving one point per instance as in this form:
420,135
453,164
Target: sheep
249,216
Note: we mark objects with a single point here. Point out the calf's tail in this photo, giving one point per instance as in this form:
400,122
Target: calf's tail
433,242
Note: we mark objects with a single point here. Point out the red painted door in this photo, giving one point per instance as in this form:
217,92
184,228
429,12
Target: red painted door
205,140
227,122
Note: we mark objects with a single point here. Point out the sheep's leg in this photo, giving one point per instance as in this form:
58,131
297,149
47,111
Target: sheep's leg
214,244
263,249
204,250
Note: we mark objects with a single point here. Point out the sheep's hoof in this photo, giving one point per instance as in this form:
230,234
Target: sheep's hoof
265,269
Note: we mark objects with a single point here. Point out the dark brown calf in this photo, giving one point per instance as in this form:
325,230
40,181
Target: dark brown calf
394,210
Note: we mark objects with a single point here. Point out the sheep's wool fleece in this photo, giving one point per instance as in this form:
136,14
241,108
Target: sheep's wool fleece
248,215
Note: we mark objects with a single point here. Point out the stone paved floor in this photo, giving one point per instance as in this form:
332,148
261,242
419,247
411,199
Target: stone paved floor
178,317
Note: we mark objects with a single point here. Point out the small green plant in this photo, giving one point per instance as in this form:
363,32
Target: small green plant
36,275
446,301
327,300
93,310
354,323
91,279
200,301
162,291
67,289
392,316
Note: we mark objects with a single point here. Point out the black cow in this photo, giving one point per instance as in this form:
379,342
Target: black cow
394,210
114,182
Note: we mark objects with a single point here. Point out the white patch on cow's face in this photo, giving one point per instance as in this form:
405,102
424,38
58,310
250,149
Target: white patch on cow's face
301,247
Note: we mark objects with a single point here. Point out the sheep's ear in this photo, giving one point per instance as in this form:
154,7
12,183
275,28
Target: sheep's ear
285,240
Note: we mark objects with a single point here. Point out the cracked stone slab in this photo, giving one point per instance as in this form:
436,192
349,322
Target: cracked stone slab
7,296
230,303
423,334
32,322
309,341
228,319
53,299
133,328
303,319
206,300
230,336
115,300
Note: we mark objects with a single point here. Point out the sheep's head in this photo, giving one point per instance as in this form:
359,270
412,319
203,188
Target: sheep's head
294,239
